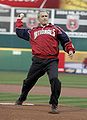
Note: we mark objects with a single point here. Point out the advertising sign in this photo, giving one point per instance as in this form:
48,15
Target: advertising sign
73,22
32,3
5,20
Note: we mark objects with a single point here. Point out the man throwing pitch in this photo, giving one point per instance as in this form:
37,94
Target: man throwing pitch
44,40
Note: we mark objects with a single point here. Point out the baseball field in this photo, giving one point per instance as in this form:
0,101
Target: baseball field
72,102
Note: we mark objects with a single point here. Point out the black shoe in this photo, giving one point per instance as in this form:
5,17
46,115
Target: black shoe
18,102
54,109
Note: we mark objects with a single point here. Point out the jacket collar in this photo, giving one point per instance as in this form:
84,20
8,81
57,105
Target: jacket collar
47,25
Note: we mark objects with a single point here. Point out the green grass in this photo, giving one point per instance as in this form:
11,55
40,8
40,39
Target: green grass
37,99
12,97
73,80
68,80
8,77
74,101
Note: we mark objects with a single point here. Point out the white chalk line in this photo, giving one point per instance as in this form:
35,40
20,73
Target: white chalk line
4,103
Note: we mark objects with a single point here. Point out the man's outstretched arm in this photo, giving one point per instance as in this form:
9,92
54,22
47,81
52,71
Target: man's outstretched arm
20,31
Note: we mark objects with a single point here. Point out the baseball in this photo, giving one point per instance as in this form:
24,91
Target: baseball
21,15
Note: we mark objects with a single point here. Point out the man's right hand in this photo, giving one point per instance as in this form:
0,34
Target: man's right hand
20,16
19,22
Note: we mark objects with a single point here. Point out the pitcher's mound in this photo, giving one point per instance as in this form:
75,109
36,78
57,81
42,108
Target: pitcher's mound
40,112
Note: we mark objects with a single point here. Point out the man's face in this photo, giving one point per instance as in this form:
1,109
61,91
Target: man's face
43,18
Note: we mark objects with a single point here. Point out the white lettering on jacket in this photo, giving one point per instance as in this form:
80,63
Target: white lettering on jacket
40,32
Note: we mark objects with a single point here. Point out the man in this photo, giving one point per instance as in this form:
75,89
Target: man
44,40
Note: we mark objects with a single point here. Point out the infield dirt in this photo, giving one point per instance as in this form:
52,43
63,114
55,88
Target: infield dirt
41,112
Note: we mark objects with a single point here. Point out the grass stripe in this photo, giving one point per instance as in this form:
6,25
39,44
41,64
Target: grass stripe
72,101
68,80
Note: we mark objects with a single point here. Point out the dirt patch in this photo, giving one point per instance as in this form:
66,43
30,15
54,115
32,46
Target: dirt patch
41,112
40,90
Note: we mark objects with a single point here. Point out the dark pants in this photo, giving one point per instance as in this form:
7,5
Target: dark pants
38,68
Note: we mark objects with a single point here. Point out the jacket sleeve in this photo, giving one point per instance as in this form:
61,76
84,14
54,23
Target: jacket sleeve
21,32
65,41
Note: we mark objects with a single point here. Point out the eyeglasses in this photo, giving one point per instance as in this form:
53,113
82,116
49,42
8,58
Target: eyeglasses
44,16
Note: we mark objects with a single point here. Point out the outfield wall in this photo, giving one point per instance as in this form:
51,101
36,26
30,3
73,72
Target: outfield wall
15,54
15,59
18,59
12,41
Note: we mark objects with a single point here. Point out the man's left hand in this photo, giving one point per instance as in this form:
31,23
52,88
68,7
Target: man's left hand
71,54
